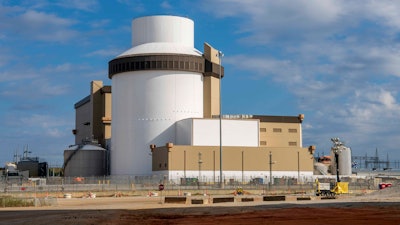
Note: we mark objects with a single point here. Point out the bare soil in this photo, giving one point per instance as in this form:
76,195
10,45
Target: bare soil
379,208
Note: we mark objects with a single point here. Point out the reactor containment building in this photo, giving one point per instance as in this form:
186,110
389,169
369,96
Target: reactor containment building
156,83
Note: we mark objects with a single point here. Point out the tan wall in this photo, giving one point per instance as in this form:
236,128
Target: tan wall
107,115
211,85
98,113
210,53
254,158
290,132
211,96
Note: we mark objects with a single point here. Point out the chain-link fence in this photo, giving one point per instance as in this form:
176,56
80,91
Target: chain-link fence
150,183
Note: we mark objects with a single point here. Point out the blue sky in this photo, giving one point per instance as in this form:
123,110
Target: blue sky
336,61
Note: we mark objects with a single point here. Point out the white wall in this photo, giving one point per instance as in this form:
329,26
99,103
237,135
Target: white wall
184,132
205,132
146,105
209,176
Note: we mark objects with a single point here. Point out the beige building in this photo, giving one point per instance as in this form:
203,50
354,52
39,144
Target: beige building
93,115
278,154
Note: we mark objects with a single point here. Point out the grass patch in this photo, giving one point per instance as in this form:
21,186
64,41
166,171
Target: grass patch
15,202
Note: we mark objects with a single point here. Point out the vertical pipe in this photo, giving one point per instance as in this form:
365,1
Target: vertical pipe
242,167
270,170
298,166
200,161
214,167
337,167
220,119
184,165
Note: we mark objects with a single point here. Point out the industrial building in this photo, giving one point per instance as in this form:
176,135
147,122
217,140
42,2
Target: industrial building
164,114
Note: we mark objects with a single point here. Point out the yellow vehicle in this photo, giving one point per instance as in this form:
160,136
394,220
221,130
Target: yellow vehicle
326,189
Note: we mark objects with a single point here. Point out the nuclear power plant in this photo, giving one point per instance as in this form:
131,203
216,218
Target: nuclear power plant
162,115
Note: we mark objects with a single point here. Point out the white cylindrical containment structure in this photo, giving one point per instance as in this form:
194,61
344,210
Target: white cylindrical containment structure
154,84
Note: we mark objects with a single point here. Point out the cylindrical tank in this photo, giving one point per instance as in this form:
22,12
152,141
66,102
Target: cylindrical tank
344,162
155,83
85,161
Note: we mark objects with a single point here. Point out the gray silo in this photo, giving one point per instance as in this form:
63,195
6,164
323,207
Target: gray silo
85,161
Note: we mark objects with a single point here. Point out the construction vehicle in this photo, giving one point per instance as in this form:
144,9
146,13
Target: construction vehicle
329,189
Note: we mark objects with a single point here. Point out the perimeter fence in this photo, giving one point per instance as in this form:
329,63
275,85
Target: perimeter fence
151,183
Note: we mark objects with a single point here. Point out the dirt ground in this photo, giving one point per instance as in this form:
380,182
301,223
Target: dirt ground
380,208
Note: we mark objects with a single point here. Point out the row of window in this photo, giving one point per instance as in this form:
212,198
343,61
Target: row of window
290,143
279,130
185,63
132,66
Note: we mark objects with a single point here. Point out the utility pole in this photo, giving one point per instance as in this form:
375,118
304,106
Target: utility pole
221,184
270,170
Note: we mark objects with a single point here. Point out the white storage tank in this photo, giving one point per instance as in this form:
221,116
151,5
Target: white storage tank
155,83
344,161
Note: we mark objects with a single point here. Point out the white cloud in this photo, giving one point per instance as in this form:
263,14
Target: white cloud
136,5
100,23
386,12
111,52
262,66
86,5
33,89
387,99
36,25
62,68
166,5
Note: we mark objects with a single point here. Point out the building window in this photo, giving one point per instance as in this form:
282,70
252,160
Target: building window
263,129
292,143
277,130
165,165
292,130
263,143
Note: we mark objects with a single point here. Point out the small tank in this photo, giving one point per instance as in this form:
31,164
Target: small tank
85,161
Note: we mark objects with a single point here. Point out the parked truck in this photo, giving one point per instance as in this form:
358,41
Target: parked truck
329,189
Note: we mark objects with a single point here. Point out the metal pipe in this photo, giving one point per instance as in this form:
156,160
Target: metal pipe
184,165
220,55
270,170
242,167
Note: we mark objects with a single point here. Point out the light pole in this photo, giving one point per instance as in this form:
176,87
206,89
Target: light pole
200,162
221,184
298,167
242,167
337,149
270,170
214,167
184,165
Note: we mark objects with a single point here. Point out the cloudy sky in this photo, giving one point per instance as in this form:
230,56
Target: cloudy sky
336,61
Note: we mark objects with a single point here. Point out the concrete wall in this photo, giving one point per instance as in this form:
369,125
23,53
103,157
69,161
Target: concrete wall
280,134
205,132
253,160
